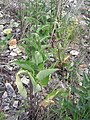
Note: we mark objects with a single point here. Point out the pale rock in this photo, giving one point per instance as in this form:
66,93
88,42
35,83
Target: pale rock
24,57
17,50
3,38
5,95
12,47
80,83
1,15
15,104
10,90
9,67
16,24
7,51
1,27
82,22
13,54
25,80
6,108
74,53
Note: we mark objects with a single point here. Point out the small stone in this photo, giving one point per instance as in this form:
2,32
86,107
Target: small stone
80,83
1,27
15,104
1,78
52,59
1,15
4,95
6,108
10,90
16,24
74,53
13,78
24,57
3,38
9,68
7,51
18,30
13,54
17,50
12,47
25,80
86,70
82,22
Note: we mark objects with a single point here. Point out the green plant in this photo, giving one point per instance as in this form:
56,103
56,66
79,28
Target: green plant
65,109
3,43
1,116
45,30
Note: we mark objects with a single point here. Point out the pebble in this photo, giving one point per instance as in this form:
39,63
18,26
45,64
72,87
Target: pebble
13,54
1,27
17,50
74,53
5,95
6,108
13,78
12,47
10,90
52,59
15,104
24,57
16,24
9,68
1,15
18,30
3,38
1,78
25,80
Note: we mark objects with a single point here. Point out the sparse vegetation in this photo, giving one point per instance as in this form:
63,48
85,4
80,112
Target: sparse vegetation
48,34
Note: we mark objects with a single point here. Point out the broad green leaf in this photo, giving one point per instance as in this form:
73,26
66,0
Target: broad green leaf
52,94
43,76
45,81
40,66
25,64
49,98
36,87
21,88
38,58
44,73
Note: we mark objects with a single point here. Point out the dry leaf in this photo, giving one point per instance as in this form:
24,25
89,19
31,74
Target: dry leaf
45,103
12,42
66,58
83,66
